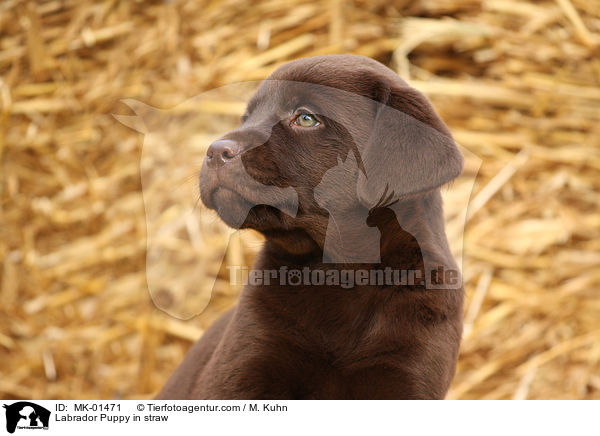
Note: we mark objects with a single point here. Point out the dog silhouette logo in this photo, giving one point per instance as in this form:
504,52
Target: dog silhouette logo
26,415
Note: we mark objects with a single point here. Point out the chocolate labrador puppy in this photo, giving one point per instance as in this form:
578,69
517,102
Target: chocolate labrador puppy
356,294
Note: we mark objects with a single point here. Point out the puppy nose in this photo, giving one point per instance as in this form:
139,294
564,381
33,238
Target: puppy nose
221,152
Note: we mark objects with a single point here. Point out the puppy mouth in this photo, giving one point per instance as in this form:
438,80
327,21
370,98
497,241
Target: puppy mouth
222,196
242,201
229,205
238,212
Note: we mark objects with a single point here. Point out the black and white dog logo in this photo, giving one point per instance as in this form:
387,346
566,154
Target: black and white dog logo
26,415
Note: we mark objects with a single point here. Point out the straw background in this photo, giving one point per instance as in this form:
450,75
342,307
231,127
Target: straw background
517,82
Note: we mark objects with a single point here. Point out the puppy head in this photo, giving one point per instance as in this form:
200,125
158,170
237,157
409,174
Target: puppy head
340,129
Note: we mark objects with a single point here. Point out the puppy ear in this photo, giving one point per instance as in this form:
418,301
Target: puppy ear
410,149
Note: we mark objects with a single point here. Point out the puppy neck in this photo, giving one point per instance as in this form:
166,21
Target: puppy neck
407,234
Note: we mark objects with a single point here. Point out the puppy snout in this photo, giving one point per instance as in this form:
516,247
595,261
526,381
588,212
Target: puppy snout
221,152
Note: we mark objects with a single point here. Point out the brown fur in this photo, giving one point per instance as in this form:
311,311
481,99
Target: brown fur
326,342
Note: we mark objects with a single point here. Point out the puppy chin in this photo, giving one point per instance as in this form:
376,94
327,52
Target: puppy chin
231,207
239,213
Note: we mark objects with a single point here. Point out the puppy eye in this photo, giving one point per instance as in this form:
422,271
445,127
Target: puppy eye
306,120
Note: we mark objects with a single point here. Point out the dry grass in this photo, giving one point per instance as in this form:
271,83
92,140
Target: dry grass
517,82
